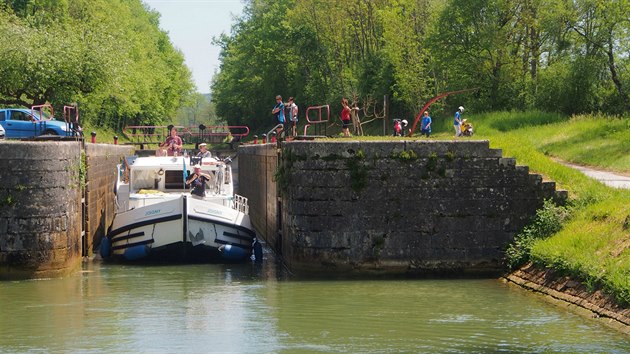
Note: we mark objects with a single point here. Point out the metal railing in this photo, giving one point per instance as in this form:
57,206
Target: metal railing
279,125
155,134
72,123
321,118
240,204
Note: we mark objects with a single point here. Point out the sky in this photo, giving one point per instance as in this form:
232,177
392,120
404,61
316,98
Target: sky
191,24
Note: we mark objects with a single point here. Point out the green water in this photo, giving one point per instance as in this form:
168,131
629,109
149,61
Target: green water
249,309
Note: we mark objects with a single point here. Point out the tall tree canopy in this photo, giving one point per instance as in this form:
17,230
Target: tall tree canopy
570,56
108,56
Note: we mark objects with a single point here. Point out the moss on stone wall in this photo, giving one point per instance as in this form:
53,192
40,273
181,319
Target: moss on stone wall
358,171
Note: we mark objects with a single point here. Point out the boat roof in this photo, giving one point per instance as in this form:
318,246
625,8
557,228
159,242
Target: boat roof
168,161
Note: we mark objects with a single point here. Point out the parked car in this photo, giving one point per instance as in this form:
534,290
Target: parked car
25,123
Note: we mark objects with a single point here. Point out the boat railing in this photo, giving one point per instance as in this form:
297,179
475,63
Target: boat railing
240,204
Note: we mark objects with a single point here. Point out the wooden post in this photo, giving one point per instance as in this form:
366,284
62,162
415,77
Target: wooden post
386,112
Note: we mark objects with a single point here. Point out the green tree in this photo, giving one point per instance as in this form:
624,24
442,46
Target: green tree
603,29
404,44
109,56
476,43
253,68
566,55
197,110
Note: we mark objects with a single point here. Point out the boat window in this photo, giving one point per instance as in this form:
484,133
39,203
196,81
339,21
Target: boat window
142,179
173,180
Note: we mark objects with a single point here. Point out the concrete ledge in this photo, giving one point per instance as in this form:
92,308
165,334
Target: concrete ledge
574,295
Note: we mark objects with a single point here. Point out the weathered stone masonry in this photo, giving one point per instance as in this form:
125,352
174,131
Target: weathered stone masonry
41,204
101,161
40,208
257,166
400,207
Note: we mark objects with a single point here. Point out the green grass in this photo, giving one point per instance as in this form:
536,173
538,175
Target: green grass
594,245
596,141
599,141
103,135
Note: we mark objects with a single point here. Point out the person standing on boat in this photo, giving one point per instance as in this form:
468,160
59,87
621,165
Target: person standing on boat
198,182
173,143
203,151
278,112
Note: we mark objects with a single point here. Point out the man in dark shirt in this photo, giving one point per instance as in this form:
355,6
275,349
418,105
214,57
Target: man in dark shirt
198,182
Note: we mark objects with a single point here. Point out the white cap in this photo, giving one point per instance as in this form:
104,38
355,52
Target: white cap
202,144
461,108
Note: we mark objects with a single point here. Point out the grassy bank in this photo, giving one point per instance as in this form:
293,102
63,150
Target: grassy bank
594,245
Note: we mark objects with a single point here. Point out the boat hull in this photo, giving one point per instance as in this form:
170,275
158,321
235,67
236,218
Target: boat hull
182,229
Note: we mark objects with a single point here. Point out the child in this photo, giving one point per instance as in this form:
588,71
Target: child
425,125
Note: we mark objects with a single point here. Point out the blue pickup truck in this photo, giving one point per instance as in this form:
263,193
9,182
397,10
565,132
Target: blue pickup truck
26,123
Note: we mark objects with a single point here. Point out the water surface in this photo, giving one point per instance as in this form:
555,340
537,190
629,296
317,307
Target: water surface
258,309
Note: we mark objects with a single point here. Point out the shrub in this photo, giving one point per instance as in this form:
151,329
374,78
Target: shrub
548,220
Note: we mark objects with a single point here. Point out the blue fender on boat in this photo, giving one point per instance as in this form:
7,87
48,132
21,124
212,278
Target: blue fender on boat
136,252
106,248
233,253
258,252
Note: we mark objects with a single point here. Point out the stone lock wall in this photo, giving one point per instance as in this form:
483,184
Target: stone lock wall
257,166
101,161
40,208
404,207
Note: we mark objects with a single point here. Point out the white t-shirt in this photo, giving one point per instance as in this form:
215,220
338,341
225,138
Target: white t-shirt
293,112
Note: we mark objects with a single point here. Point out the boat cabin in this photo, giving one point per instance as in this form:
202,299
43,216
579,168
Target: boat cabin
167,174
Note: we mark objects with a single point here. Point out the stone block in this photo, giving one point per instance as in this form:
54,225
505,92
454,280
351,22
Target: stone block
507,162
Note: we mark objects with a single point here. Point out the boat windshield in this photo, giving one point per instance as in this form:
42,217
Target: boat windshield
142,179
174,180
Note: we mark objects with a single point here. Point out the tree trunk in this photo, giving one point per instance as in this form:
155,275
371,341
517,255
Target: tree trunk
614,75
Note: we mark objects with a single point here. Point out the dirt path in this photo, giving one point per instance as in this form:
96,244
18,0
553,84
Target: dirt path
607,178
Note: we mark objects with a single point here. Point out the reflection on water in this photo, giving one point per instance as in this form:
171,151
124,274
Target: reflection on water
249,308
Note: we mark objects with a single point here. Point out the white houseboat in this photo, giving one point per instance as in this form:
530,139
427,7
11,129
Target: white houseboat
159,219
